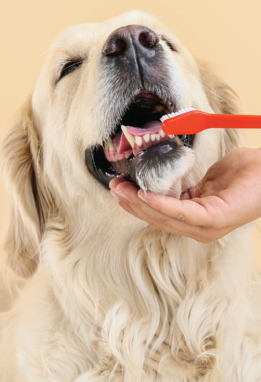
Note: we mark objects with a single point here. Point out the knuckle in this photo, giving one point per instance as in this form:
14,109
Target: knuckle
163,221
181,216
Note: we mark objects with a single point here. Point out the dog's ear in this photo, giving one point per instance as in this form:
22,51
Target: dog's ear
223,99
28,200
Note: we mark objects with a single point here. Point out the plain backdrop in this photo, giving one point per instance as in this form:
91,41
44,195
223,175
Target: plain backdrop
224,32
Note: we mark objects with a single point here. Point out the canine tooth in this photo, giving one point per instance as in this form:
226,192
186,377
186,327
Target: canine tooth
162,134
128,136
111,145
146,138
153,137
157,137
138,141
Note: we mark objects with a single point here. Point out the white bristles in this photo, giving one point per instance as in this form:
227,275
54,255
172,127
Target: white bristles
182,111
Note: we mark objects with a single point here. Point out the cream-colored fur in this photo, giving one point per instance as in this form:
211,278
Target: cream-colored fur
90,293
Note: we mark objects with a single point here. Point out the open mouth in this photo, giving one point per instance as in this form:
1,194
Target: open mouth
139,132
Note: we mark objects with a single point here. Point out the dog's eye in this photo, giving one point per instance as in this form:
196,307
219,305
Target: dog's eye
169,44
69,67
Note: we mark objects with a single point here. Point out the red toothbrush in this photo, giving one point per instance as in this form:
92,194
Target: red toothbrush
192,121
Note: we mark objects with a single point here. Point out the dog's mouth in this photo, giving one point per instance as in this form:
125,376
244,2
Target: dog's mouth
138,135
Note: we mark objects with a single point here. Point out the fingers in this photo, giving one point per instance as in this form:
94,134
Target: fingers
127,208
187,211
203,219
160,207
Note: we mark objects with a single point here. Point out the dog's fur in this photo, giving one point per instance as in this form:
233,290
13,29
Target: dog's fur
90,293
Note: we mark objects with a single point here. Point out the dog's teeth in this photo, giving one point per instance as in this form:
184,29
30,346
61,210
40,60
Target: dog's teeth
153,137
162,134
138,141
106,146
146,138
111,145
128,136
171,136
157,137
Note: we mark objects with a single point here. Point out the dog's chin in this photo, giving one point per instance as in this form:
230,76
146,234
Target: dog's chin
161,168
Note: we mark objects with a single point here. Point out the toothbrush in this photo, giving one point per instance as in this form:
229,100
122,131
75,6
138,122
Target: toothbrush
192,121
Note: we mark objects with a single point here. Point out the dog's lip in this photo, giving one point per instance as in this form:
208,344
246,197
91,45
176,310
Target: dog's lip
142,111
142,118
145,94
144,103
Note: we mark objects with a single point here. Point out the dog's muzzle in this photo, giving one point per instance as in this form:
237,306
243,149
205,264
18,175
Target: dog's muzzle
137,139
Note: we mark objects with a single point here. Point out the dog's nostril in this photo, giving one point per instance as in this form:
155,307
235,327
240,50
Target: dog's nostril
114,46
122,41
148,39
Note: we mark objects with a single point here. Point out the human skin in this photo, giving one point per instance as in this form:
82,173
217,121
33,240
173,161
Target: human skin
228,197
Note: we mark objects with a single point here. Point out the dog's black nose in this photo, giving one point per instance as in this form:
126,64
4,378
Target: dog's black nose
122,41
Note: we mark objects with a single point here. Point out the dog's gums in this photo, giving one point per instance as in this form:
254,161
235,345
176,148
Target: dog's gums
126,142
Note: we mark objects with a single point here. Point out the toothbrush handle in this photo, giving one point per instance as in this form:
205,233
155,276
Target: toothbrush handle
234,121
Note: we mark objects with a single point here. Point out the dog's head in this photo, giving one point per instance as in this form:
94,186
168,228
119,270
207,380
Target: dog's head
69,142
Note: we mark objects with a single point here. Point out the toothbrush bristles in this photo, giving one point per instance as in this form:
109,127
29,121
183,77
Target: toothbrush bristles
171,115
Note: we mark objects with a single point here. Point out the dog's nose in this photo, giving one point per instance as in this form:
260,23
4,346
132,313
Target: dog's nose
122,40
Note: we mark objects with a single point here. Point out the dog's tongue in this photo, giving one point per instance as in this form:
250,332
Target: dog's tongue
122,144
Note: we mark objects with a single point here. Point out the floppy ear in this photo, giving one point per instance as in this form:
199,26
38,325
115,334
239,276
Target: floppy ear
223,99
28,201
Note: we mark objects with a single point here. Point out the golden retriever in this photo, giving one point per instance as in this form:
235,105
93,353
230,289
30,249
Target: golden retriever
89,292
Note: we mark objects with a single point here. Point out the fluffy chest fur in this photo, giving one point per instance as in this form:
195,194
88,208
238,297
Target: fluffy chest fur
96,294
155,307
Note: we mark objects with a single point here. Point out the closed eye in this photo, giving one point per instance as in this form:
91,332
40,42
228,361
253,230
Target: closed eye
69,67
169,44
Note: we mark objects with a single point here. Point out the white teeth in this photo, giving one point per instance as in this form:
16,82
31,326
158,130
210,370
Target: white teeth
128,136
153,137
111,145
171,136
146,138
157,137
162,134
138,141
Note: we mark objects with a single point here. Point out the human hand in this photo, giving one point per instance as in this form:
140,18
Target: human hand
228,197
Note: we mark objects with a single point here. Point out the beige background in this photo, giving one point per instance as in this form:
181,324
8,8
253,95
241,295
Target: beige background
224,32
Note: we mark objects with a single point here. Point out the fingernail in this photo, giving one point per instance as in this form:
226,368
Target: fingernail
115,196
141,195
122,195
111,186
